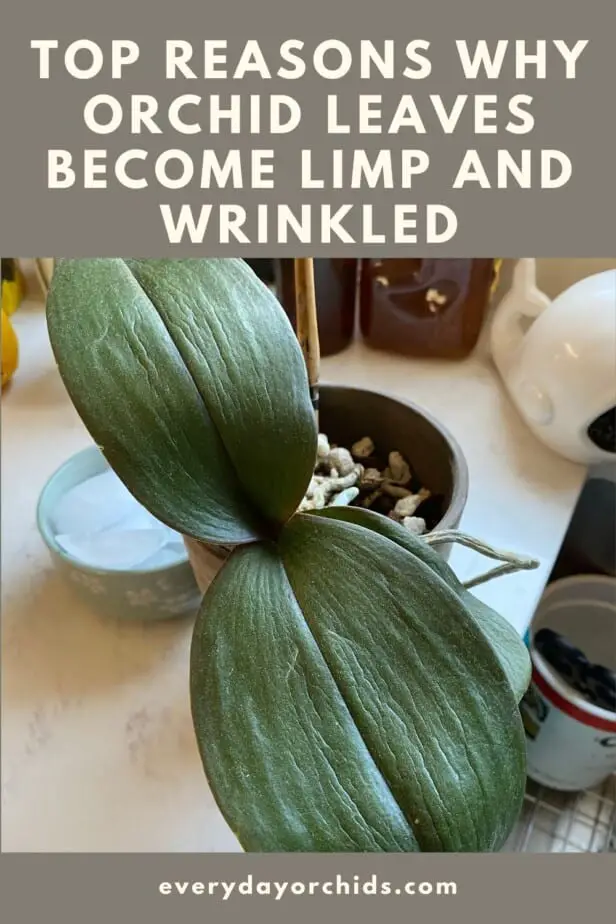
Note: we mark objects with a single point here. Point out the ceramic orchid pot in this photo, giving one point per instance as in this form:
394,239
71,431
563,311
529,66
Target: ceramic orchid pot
347,414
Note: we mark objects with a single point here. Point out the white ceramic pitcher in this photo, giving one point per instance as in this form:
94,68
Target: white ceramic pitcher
558,361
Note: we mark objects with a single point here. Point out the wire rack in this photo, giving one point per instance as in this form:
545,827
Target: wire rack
557,822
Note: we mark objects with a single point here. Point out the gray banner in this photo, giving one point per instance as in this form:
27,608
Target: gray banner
550,62
271,888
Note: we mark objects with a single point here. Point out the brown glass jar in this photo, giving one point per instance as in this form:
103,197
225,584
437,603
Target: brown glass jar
335,283
425,308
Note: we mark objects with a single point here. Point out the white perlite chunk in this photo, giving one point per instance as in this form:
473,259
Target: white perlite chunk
345,497
414,525
322,487
322,447
407,506
340,482
363,448
320,496
340,459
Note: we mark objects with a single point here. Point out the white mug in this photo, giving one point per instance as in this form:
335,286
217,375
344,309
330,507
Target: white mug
571,743
557,360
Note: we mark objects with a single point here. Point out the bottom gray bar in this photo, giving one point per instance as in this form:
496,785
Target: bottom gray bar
441,888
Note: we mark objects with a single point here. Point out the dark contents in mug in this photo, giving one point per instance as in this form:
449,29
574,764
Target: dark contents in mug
595,683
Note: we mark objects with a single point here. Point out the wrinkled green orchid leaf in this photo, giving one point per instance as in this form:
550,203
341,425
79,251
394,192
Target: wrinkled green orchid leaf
340,686
189,377
244,358
507,644
285,759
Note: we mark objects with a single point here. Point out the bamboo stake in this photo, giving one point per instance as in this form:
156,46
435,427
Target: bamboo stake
307,326
44,267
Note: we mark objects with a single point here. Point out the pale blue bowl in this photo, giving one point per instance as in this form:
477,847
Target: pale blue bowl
167,592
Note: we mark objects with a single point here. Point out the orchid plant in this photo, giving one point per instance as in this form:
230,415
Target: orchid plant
348,692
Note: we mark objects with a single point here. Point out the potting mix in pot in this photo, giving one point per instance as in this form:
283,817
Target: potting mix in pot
348,692
361,478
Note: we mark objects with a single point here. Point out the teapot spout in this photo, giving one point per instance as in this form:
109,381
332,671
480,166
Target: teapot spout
524,301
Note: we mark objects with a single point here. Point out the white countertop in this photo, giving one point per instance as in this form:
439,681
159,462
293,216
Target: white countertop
98,752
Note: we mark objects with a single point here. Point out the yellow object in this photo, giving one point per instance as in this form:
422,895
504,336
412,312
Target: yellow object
497,268
10,349
10,297
13,290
